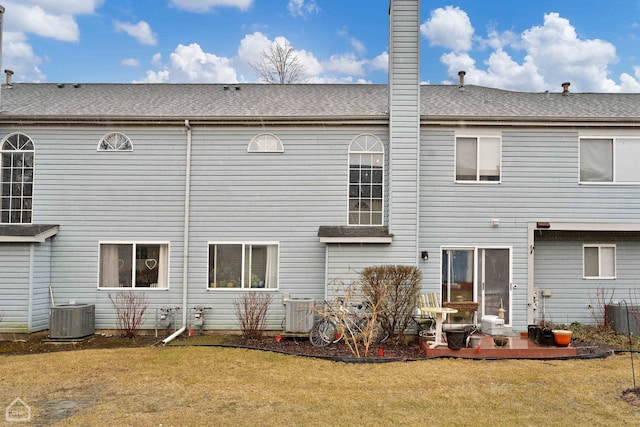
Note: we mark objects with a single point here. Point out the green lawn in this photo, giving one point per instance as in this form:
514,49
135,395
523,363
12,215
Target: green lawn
218,386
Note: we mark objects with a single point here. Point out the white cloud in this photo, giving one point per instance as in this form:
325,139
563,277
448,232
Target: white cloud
19,56
345,64
311,64
189,63
381,62
551,54
501,71
53,19
449,27
206,5
155,77
35,20
560,55
140,31
252,46
302,7
497,40
156,60
630,83
130,62
356,44
64,7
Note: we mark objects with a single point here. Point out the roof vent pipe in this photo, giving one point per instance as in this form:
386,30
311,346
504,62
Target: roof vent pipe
461,74
565,88
9,74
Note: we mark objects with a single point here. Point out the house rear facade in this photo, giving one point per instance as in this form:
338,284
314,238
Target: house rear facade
197,194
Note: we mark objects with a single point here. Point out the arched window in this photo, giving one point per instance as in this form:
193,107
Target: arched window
265,143
115,141
16,178
366,180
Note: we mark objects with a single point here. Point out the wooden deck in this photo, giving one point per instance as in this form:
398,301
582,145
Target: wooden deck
518,348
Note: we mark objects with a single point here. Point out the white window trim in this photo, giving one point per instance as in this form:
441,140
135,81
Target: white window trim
600,246
243,243
256,146
614,140
384,171
134,243
33,177
477,136
114,150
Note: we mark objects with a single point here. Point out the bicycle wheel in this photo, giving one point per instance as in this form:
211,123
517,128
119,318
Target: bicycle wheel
323,333
378,334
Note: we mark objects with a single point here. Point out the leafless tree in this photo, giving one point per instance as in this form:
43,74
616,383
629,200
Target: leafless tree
279,64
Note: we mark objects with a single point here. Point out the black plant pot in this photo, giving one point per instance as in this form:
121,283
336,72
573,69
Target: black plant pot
546,337
456,339
533,332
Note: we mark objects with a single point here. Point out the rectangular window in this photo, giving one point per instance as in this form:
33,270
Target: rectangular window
599,261
477,159
134,265
609,160
243,265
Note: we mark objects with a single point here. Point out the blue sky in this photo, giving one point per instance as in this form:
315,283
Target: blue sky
517,45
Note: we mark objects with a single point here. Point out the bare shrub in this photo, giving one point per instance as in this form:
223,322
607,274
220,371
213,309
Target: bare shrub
251,311
356,319
130,308
393,289
598,304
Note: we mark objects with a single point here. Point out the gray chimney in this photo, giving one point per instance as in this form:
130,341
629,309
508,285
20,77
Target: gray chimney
9,74
404,126
1,31
565,88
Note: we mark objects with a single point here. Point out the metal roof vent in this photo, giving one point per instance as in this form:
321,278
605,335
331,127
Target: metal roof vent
9,74
461,75
565,88
60,85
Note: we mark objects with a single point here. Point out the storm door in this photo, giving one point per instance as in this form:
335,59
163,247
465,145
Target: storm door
494,272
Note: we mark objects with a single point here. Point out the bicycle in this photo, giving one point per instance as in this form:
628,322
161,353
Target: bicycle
353,321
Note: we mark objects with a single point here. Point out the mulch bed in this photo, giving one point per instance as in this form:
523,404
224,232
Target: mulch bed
301,346
37,343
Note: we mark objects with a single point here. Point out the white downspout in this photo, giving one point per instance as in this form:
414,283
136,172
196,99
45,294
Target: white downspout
185,250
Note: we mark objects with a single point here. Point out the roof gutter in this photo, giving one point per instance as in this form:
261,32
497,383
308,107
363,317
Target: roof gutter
185,247
547,122
40,120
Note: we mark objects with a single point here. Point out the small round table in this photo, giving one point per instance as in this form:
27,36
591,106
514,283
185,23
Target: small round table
439,312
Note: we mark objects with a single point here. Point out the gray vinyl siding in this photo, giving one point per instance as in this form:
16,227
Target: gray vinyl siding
268,197
14,287
539,182
40,298
346,261
558,269
108,196
404,127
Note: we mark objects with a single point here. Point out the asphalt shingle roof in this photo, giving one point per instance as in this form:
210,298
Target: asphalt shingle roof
332,102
